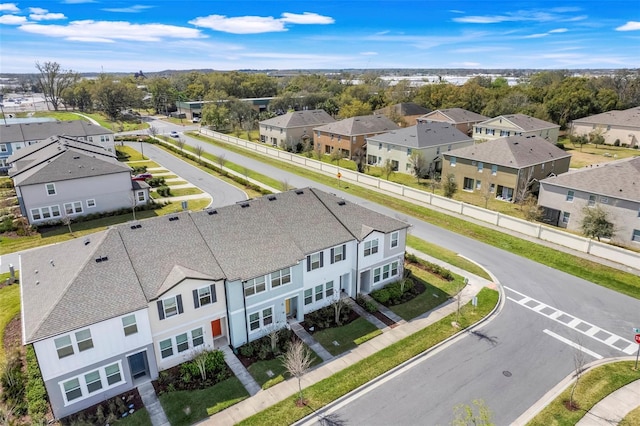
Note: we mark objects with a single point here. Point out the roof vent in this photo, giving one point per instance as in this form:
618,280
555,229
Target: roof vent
172,218
299,191
243,205
341,202
271,197
101,259
212,212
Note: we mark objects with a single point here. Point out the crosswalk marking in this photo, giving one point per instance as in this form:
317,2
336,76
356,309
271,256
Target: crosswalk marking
613,341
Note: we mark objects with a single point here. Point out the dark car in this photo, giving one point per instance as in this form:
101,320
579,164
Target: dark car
142,176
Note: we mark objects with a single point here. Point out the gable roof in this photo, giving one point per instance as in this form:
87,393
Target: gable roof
361,125
403,109
423,134
25,132
61,293
513,151
456,115
60,158
307,118
524,122
627,118
617,179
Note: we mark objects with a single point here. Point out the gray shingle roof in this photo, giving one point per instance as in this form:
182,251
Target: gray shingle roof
627,118
422,135
308,118
456,115
522,121
513,151
362,125
617,179
24,132
143,262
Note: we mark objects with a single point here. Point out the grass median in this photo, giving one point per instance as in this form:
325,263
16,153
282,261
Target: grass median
328,390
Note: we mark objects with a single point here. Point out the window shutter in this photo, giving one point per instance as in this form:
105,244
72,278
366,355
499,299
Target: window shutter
332,256
344,251
321,258
308,263
160,310
214,298
196,299
179,298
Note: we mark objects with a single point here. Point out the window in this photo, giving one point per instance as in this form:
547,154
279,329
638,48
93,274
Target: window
452,161
592,201
281,277
35,214
338,253
370,247
478,129
170,307
113,373
51,188
197,337
254,321
437,150
205,295
386,269
72,389
394,239
394,269
492,188
308,296
604,200
3,147
565,217
480,166
478,184
73,208
83,338
254,286
395,165
93,381
141,196
91,203
129,325
636,235
166,348
448,147
376,275
314,261
267,316
494,169
55,211
408,151
182,342
328,289
260,319
570,195
319,292
468,184
64,346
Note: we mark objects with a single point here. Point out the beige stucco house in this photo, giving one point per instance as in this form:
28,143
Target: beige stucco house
404,114
293,128
617,127
515,125
462,119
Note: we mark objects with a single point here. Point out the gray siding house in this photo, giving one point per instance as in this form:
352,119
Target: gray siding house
64,177
293,128
614,186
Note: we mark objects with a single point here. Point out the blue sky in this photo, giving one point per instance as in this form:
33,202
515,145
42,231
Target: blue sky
155,35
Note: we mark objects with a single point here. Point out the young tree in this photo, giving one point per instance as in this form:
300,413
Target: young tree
153,131
579,361
198,151
449,185
180,144
388,168
360,157
53,81
596,224
419,166
338,305
221,161
532,211
525,180
337,155
297,361
434,182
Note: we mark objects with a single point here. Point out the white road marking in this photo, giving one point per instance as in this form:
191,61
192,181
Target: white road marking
572,344
572,322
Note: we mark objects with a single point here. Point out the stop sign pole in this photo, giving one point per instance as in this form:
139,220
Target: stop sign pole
637,354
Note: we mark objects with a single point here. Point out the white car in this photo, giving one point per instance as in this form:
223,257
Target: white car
174,134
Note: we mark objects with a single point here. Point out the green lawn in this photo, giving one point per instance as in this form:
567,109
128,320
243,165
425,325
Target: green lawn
328,390
259,368
139,418
594,385
10,304
631,419
344,335
437,291
187,407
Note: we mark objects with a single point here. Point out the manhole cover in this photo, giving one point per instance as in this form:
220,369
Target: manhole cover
506,373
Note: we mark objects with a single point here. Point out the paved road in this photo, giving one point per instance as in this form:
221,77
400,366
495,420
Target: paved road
513,362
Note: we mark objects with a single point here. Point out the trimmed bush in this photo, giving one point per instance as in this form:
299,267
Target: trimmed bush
163,191
367,337
36,394
272,382
156,182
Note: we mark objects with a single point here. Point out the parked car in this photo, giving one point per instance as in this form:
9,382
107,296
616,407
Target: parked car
174,134
142,176
196,119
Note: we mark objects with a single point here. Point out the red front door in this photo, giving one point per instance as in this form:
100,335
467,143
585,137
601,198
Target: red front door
216,328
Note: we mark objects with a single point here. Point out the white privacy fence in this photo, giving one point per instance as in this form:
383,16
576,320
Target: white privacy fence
536,230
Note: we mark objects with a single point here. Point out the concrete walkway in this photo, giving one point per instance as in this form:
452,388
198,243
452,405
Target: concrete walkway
310,341
612,409
240,371
152,404
281,391
364,314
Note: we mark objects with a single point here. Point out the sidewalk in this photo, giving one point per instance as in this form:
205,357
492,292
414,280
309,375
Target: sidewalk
281,391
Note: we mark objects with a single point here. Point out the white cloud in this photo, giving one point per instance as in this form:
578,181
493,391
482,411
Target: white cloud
78,1
131,9
12,20
558,30
369,53
240,25
306,18
518,16
629,26
47,17
9,7
456,11
103,31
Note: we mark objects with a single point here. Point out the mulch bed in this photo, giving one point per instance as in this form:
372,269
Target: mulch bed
12,338
131,400
353,315
171,380
385,319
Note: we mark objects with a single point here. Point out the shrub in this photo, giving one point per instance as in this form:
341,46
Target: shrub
163,191
13,381
325,317
156,182
617,142
382,295
139,169
560,145
36,393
